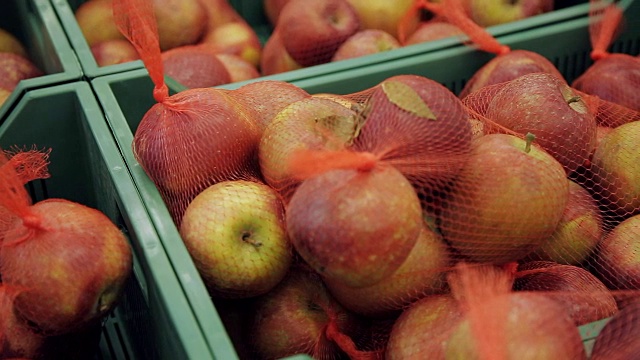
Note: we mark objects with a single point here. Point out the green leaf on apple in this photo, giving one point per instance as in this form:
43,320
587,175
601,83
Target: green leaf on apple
407,99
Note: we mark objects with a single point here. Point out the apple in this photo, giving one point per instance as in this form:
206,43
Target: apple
14,68
236,235
238,68
312,30
309,123
546,106
268,98
180,22
578,232
275,59
17,339
519,325
365,42
112,52
195,67
72,265
611,79
616,174
618,255
236,38
419,126
420,275
585,298
385,15
355,226
95,19
4,95
9,43
296,318
340,99
272,9
219,12
424,328
495,211
494,12
194,139
618,338
507,67
433,30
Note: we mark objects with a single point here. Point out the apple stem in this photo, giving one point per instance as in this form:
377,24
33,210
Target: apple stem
573,99
246,237
529,139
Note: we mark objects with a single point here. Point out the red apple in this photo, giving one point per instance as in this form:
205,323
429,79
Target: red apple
14,68
365,42
495,211
507,67
235,233
17,339
296,318
494,12
238,68
433,30
272,9
578,232
385,15
112,52
195,67
421,274
618,338
355,226
4,95
546,106
9,43
236,38
424,328
585,298
312,30
618,256
309,123
275,59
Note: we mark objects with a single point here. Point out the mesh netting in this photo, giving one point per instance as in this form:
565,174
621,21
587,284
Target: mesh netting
46,245
17,340
195,66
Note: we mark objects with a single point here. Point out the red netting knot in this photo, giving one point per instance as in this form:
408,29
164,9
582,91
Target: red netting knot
160,93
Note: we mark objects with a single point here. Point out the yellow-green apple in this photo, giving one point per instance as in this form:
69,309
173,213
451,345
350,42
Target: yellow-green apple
385,15
420,275
180,22
433,30
365,42
195,66
14,68
268,98
309,123
618,255
299,316
235,232
617,339
584,297
617,176
272,9
64,290
518,325
238,68
184,150
9,43
95,19
312,30
546,106
237,38
112,52
578,232
355,226
494,12
275,59
4,95
424,328
507,200
17,339
506,67
419,126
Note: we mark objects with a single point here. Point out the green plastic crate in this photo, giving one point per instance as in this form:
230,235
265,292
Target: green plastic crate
35,24
154,318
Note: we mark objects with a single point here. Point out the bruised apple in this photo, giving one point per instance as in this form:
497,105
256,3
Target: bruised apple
421,274
507,200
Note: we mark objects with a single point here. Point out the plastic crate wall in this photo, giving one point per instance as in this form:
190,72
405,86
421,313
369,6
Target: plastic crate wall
35,25
153,319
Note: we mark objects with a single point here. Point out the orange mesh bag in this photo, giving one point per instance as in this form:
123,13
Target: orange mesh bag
191,140
618,340
17,340
70,260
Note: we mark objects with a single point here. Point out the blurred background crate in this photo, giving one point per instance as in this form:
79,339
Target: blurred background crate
36,26
154,319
